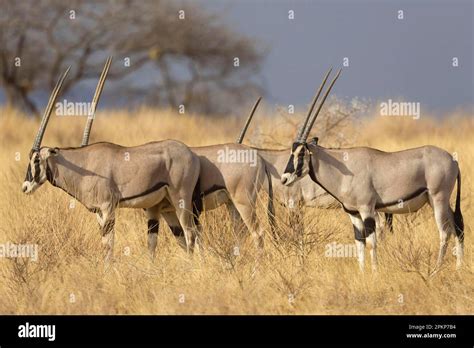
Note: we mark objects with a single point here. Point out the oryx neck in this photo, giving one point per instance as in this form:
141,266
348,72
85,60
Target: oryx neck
324,170
58,174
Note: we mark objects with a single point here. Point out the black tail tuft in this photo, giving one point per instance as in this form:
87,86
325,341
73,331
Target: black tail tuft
458,220
197,202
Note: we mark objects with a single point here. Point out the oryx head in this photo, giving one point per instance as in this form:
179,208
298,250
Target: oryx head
299,163
36,173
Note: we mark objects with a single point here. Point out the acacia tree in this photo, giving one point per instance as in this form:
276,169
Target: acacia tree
187,54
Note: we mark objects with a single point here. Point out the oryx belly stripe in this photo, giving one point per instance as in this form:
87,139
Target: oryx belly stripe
147,192
401,200
348,211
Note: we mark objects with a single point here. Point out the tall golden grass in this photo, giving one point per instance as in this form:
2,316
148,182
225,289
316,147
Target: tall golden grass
293,277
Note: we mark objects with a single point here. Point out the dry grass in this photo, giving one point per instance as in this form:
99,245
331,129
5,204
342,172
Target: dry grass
294,276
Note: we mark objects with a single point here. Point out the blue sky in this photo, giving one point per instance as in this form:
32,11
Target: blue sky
388,57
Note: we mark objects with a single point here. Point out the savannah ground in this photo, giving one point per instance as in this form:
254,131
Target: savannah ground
295,275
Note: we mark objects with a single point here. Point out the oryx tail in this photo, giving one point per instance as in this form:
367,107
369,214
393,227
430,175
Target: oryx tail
197,202
458,219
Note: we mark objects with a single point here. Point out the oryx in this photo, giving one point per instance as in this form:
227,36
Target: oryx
366,180
304,192
104,176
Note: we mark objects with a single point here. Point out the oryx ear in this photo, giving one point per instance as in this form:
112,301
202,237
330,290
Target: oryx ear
47,152
53,151
314,141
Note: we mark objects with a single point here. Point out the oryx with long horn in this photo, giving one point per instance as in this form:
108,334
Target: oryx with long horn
105,176
304,192
366,180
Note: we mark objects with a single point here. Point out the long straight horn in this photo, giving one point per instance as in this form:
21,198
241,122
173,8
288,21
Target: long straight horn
48,111
95,101
315,99
247,123
313,119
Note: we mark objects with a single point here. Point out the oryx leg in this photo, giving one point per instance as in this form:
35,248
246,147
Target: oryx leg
106,219
184,211
389,222
238,225
380,228
186,220
459,249
359,237
153,228
173,222
249,216
445,222
368,216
